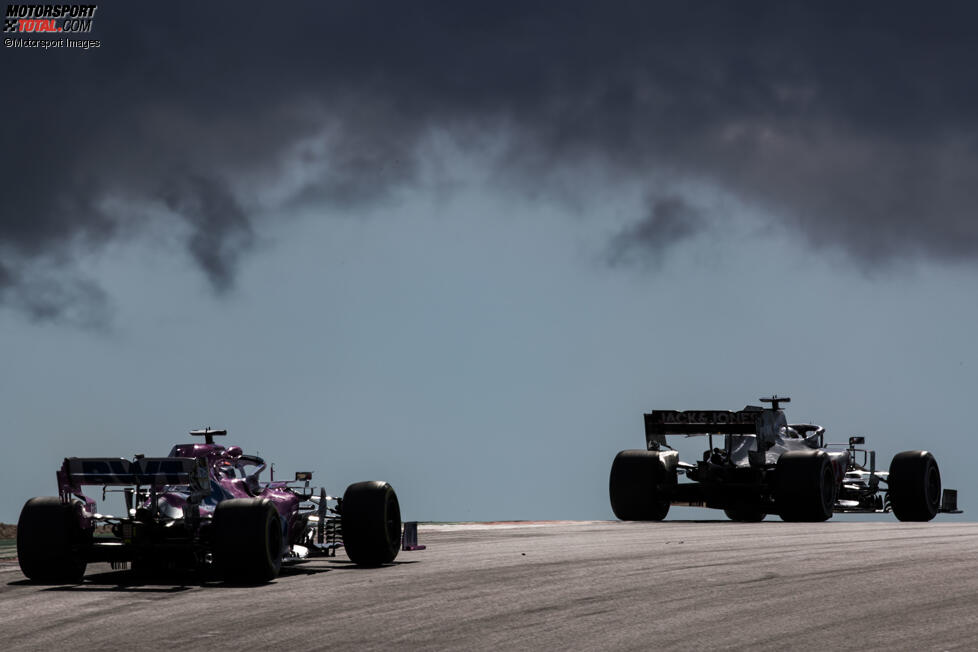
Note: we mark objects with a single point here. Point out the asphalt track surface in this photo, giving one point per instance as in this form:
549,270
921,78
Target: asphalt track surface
582,586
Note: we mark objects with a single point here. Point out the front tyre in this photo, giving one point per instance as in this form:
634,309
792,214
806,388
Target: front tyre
636,486
914,486
745,514
371,518
248,540
51,541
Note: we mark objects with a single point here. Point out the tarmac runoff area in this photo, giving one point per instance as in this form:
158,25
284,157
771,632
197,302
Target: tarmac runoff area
551,585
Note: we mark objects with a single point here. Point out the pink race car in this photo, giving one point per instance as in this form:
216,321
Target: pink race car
202,507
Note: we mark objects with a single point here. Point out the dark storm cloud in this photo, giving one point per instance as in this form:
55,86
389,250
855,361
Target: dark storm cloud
855,125
221,231
670,220
45,297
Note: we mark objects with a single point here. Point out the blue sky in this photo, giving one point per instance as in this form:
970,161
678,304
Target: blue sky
478,352
464,248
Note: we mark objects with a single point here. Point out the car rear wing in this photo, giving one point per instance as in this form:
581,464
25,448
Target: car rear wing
145,471
660,423
702,422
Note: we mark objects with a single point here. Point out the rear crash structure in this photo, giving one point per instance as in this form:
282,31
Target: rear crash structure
763,465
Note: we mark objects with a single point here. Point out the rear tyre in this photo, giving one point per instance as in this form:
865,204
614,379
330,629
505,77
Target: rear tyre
914,486
51,541
371,523
636,486
805,486
248,540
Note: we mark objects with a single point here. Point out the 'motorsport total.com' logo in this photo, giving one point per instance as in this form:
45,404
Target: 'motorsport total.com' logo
45,27
41,19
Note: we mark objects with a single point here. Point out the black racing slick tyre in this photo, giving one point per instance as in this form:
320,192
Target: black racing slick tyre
914,486
805,486
636,486
51,541
745,514
371,521
248,540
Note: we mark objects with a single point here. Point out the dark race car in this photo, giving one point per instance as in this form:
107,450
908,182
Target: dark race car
768,466
202,507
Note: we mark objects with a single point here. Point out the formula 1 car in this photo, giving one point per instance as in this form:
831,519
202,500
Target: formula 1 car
768,466
201,507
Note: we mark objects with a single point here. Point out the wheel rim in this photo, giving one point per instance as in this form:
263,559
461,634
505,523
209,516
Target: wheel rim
392,512
828,489
274,537
932,486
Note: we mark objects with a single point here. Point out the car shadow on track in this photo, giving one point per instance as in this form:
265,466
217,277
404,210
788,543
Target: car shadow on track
177,581
338,564
120,581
